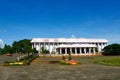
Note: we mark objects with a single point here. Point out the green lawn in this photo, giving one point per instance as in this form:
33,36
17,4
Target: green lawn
104,60
108,60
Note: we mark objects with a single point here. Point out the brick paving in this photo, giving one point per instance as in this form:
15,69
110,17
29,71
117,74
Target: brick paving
39,69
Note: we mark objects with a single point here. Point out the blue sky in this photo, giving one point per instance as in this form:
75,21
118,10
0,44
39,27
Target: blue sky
20,19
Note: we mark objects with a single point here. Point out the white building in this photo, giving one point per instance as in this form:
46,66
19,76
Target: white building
69,45
1,43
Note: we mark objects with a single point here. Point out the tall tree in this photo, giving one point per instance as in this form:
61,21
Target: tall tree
44,51
113,49
21,46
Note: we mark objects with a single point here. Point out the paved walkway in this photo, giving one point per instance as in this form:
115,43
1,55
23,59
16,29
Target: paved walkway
44,71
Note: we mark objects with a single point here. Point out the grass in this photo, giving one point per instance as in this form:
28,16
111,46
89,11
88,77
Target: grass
104,60
108,60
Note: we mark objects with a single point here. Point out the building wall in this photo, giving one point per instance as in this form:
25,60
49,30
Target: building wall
52,45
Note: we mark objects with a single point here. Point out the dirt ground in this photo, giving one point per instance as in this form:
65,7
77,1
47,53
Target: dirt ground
39,69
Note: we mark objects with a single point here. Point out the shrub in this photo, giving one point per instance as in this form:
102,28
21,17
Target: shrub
113,49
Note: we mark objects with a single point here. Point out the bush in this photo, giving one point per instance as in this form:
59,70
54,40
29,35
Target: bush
27,60
113,49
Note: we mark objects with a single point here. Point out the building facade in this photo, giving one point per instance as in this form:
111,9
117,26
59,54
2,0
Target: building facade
69,45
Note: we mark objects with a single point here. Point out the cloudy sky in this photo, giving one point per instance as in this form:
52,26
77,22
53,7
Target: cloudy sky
27,19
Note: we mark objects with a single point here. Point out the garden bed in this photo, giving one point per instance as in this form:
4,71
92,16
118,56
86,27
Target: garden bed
69,62
24,62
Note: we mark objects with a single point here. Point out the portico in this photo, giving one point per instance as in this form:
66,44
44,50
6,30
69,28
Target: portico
76,49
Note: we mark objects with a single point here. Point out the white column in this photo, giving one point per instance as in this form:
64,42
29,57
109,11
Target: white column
75,50
105,44
57,44
85,50
80,51
89,50
34,45
65,50
44,44
94,50
39,44
49,48
39,48
55,47
102,45
99,47
60,50
71,50
52,46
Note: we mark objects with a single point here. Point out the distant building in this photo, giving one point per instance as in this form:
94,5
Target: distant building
1,43
69,45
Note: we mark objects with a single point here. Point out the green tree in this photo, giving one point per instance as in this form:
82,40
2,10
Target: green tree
34,50
21,46
44,51
7,49
16,47
113,49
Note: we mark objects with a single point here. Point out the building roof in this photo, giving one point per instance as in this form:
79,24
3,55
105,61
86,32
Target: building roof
75,45
69,40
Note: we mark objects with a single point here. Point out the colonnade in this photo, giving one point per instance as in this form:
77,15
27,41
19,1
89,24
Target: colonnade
77,50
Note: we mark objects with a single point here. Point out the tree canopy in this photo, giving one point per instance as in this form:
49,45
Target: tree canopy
6,49
21,46
113,49
44,50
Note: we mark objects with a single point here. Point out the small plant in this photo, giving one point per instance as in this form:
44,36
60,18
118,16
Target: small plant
69,55
63,57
